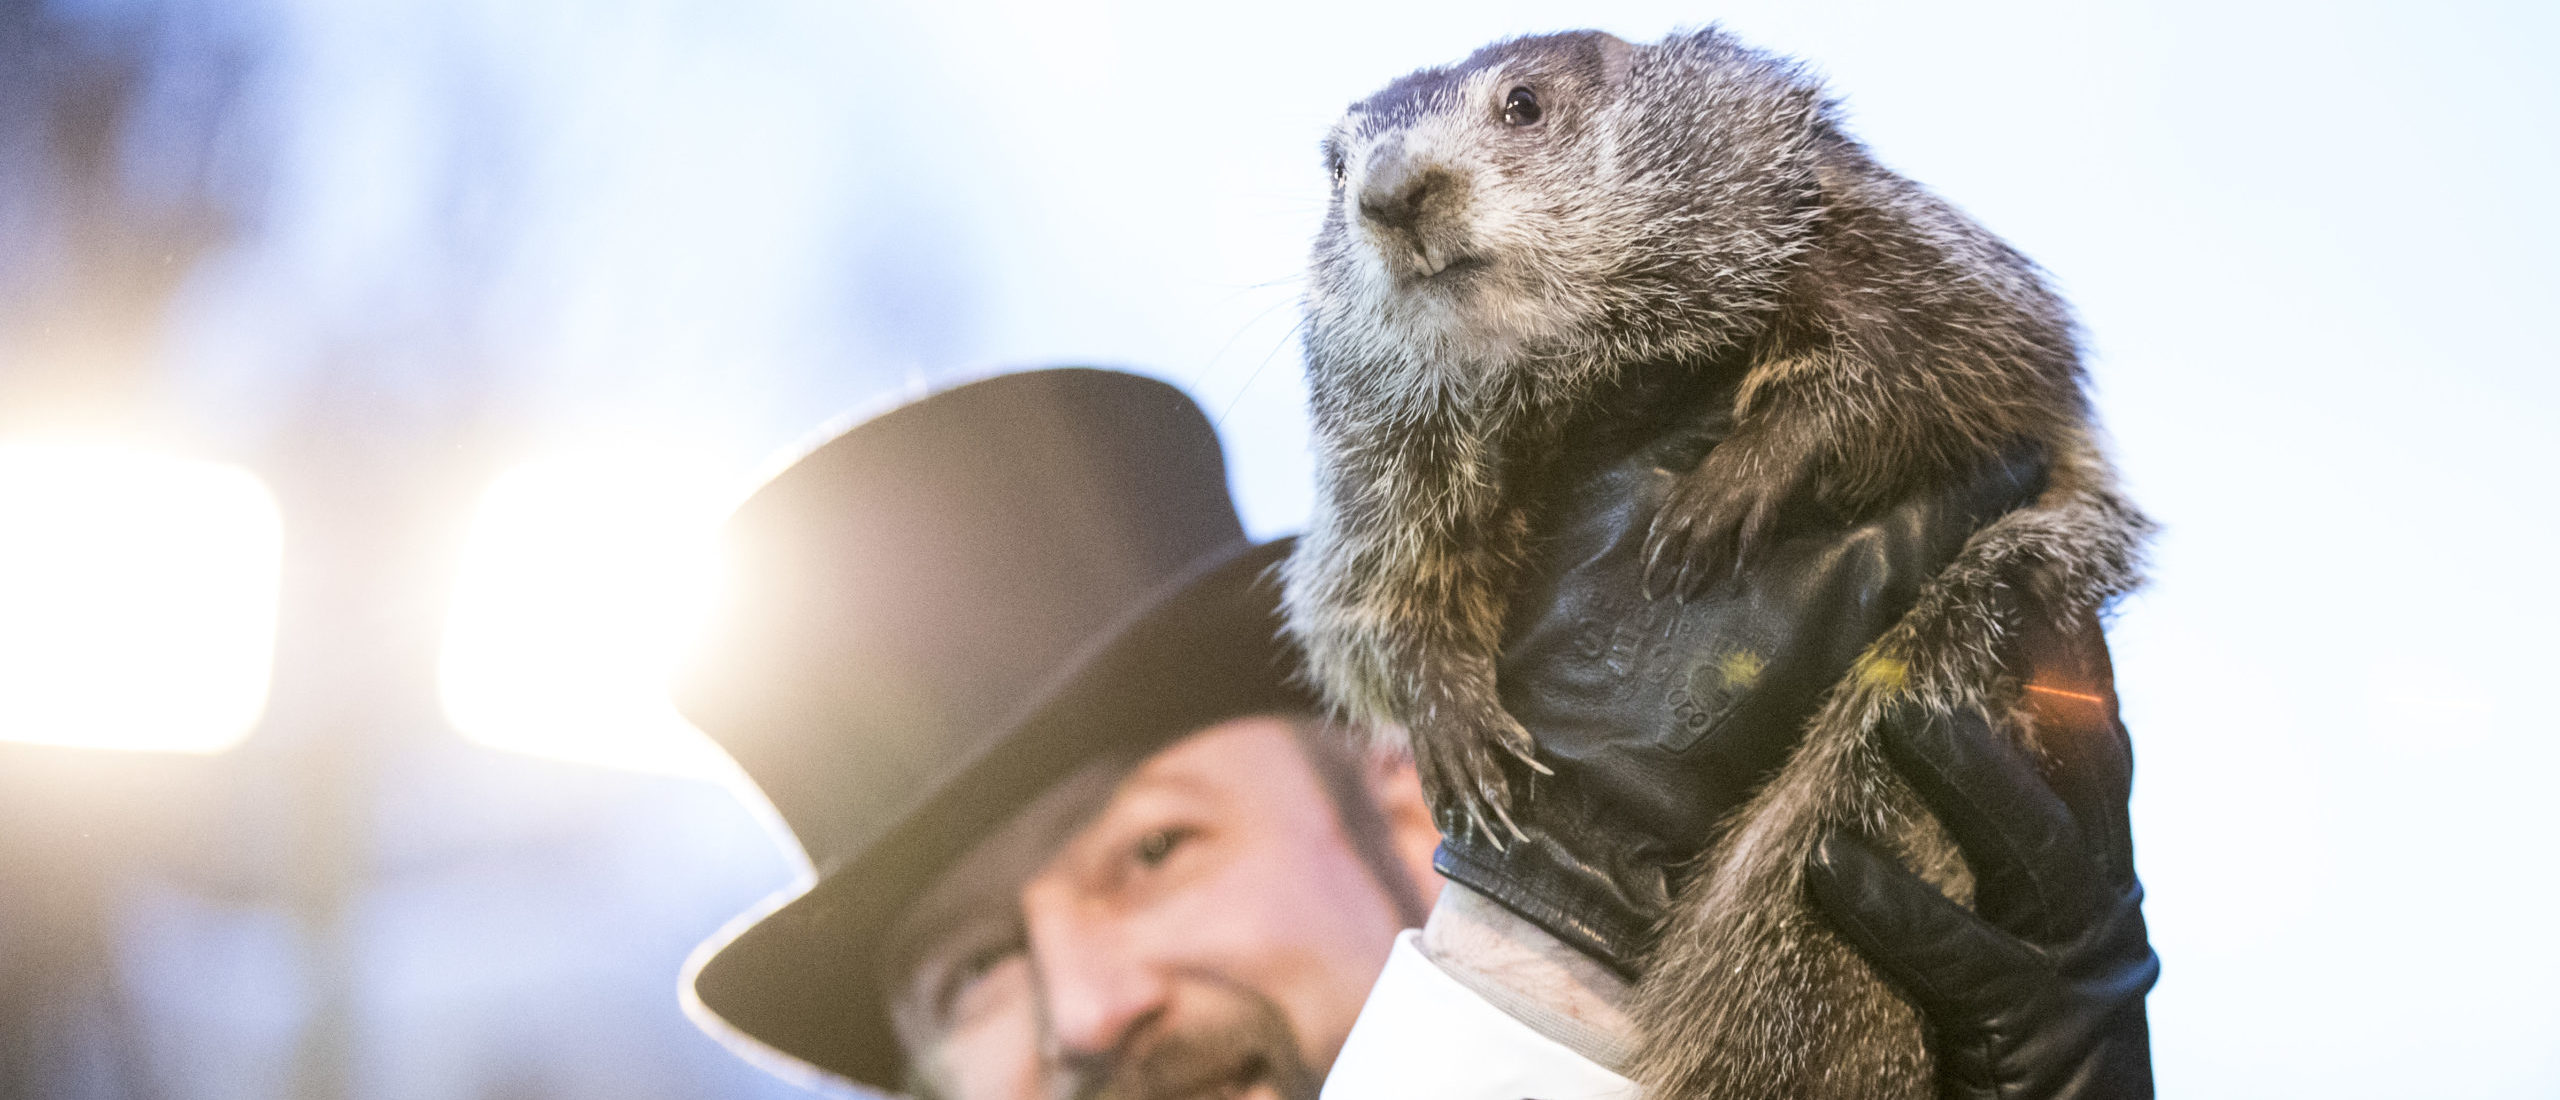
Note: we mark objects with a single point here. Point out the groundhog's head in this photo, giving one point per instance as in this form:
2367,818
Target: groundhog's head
1566,201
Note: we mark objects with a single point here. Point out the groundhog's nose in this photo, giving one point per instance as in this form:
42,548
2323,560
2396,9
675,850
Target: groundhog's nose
1398,193
1415,213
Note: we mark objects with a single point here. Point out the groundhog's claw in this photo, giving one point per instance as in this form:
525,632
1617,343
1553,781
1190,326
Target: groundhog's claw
1715,520
1462,774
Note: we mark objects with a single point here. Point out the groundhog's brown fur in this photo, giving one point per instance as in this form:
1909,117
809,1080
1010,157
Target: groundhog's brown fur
1510,233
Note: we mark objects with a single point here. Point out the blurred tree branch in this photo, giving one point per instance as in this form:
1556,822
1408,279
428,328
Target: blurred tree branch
119,170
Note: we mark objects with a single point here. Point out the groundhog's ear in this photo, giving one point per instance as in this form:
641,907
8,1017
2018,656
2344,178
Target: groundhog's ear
1828,182
1617,57
1830,178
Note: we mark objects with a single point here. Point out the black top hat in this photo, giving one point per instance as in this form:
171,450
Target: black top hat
934,615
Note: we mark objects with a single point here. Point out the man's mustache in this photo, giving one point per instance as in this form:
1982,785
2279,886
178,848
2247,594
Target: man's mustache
1250,1044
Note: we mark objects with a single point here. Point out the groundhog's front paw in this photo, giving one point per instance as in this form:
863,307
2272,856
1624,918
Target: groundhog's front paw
1715,519
1459,763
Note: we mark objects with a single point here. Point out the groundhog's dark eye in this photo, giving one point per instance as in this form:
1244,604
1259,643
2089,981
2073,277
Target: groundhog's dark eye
1333,164
1520,108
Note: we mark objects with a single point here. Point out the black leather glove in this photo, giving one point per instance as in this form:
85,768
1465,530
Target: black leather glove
1659,717
2037,991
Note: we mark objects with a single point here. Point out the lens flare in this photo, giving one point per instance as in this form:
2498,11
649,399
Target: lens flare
137,598
581,583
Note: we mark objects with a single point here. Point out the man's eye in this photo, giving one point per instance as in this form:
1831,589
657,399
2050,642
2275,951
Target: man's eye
964,976
1156,847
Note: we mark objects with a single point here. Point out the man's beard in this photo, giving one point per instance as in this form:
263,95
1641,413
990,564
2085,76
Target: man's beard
1234,1040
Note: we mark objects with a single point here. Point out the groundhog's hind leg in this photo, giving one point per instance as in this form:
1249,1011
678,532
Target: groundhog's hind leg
1748,994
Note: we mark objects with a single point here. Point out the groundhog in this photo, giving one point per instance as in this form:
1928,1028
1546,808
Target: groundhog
1510,235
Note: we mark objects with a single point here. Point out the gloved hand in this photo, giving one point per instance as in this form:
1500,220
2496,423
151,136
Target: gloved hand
1661,716
2037,991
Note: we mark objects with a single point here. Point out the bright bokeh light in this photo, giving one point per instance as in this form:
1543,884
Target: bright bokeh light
581,584
137,598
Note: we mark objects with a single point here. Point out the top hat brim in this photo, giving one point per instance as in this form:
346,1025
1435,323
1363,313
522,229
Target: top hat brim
801,981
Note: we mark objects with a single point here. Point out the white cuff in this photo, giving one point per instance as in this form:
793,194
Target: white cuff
1425,1036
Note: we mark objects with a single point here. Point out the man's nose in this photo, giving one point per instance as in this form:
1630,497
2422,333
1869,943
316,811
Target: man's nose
1095,985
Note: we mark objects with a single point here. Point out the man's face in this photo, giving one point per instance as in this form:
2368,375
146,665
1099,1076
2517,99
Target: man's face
1209,930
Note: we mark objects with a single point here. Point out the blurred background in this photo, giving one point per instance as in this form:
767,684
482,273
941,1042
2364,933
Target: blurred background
371,374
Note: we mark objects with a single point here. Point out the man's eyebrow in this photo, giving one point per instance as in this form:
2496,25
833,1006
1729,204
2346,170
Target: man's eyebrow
1154,796
1190,781
984,881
